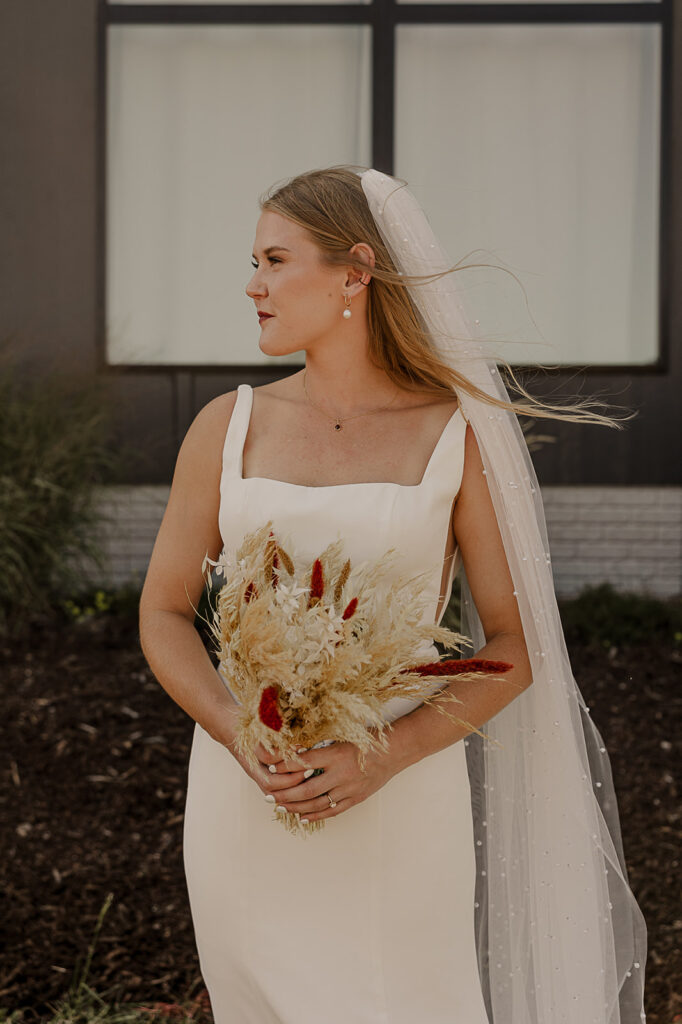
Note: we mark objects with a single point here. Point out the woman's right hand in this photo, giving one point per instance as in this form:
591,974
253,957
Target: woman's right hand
268,782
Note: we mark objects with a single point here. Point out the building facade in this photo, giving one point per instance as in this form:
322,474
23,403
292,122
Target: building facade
137,138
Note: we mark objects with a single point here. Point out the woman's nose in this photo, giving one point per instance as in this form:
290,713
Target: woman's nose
255,287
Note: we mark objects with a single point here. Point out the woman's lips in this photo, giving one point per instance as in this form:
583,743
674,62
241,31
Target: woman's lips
262,317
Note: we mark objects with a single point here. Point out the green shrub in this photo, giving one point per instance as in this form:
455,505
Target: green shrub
53,455
94,602
601,615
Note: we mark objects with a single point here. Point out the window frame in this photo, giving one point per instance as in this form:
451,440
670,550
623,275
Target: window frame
383,17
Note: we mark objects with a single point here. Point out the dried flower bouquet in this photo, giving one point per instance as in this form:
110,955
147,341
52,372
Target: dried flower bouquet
313,653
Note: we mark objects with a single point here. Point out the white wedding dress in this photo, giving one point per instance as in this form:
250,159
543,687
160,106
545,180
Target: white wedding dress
371,919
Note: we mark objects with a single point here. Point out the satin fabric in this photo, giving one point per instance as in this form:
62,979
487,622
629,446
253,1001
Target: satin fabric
363,920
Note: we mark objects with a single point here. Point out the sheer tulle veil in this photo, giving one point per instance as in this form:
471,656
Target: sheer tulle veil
560,936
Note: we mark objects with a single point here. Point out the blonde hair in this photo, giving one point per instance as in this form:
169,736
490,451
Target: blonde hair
331,205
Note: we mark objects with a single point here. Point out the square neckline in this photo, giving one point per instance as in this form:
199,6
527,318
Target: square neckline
357,483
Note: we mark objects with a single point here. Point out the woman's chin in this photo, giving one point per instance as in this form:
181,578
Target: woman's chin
274,349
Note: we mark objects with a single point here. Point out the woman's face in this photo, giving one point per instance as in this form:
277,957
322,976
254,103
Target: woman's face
303,296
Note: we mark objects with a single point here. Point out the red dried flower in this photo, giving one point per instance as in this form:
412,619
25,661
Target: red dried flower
250,592
453,667
268,709
316,584
350,608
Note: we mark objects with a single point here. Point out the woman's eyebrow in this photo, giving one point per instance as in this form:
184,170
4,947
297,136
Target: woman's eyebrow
272,248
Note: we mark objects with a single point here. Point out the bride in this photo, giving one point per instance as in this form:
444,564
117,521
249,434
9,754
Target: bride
458,879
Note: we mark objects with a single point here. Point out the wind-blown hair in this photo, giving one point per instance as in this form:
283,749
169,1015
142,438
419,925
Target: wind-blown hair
331,206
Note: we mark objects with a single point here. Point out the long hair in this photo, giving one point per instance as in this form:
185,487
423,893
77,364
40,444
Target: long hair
331,205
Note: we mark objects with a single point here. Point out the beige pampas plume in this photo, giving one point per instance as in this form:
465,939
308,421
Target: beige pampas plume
341,581
286,560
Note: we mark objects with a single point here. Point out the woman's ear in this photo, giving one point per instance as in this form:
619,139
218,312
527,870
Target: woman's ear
355,278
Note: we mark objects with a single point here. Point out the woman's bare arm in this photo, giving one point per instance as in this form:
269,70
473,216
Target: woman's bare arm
174,581
175,652
426,729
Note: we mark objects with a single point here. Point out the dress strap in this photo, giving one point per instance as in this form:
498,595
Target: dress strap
446,465
235,436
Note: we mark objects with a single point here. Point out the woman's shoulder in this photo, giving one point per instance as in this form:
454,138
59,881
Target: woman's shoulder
215,415
436,407
213,419
203,443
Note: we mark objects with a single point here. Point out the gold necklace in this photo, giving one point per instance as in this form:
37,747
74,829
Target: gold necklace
336,419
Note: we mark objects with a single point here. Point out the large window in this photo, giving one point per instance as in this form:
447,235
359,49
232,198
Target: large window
533,134
202,120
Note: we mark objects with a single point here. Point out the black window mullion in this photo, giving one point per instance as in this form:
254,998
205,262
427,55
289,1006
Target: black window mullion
239,14
665,189
528,13
383,85
387,10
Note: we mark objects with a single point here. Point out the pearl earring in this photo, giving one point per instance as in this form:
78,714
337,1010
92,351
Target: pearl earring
346,313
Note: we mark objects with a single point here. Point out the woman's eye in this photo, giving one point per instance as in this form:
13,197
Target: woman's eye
271,259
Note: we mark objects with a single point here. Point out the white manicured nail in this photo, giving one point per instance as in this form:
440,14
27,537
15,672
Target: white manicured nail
308,773
270,798
304,821
301,750
272,768
280,808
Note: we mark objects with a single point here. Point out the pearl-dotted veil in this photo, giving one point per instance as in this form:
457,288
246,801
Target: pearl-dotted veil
560,936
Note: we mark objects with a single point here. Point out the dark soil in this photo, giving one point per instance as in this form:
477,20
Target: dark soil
94,756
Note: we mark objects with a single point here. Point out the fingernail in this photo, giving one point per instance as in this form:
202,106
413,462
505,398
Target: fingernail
304,821
278,807
270,798
272,767
308,773
301,750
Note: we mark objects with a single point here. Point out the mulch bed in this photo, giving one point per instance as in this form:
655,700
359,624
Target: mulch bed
94,760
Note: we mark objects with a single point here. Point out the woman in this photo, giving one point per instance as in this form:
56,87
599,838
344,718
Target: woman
421,899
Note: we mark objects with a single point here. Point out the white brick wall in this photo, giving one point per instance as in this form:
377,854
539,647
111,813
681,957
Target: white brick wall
132,517
628,536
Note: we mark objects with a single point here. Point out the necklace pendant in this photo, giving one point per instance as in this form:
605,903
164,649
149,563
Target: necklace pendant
337,426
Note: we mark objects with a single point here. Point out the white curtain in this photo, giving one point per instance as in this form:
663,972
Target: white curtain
548,135
201,121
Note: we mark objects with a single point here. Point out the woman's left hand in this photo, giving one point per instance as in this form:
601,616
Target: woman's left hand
344,780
